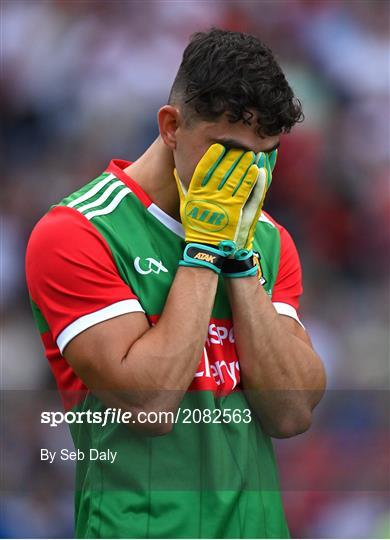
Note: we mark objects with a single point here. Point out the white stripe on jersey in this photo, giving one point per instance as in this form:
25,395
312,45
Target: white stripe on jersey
86,321
285,309
264,218
166,219
102,197
110,207
97,187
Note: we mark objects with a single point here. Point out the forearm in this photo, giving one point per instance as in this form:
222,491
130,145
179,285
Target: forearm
282,375
164,359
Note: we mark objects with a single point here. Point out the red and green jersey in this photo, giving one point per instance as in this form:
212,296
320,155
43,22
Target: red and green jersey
107,250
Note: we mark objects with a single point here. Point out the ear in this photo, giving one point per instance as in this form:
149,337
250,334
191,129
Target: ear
169,119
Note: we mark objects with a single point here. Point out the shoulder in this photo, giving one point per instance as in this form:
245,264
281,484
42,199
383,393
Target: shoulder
72,276
100,197
62,228
64,247
82,216
286,241
288,285
265,217
287,247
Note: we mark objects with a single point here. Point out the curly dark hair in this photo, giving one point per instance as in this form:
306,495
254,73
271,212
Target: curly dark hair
234,73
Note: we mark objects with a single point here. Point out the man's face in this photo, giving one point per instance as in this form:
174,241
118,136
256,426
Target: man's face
193,141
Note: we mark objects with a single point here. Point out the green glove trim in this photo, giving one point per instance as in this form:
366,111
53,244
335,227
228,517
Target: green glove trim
244,175
213,167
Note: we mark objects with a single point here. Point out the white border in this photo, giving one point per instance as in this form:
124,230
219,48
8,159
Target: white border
286,309
264,218
166,220
86,321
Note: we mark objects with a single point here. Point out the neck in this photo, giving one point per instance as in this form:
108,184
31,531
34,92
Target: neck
153,171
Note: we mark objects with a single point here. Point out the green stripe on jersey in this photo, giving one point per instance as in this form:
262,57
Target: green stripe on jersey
99,197
86,192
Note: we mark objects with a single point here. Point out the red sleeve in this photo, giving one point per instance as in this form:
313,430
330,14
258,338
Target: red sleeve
72,277
288,285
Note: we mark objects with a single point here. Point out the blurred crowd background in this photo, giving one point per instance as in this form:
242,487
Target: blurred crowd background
81,83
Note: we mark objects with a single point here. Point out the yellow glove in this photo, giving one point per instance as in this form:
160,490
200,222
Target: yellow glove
245,262
252,209
211,210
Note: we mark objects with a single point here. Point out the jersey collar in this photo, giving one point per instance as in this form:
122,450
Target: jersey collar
116,167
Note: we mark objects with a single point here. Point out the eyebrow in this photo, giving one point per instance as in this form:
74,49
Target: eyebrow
232,143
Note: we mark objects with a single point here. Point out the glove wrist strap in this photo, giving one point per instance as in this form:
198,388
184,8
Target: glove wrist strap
244,264
207,256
